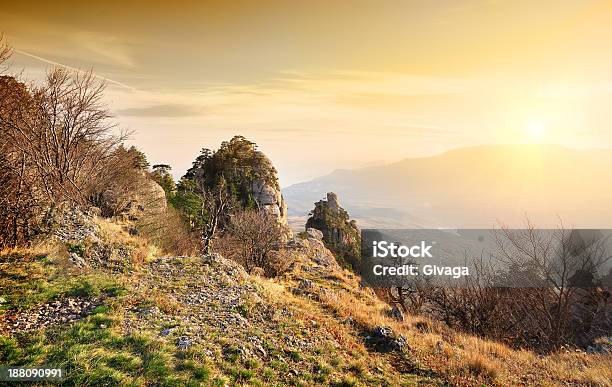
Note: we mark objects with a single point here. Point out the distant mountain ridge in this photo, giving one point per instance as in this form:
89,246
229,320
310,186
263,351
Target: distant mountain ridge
481,186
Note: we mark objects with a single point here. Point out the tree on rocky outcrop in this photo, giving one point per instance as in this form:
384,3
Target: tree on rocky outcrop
340,234
250,176
161,175
233,178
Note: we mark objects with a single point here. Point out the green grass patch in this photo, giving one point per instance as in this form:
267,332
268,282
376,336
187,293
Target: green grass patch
76,248
93,352
27,283
294,355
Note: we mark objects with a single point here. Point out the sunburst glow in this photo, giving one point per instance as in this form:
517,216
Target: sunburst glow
536,130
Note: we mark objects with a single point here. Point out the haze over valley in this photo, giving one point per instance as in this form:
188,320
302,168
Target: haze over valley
474,187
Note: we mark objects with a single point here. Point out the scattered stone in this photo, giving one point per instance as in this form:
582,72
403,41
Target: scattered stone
56,312
383,339
211,259
184,342
77,260
305,287
167,331
306,284
603,346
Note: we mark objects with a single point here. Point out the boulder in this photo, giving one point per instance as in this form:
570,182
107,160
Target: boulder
383,339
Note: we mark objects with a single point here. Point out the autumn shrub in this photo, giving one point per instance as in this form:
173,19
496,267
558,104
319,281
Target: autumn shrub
254,239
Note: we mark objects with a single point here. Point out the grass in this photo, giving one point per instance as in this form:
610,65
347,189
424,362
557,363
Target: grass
30,281
97,350
93,351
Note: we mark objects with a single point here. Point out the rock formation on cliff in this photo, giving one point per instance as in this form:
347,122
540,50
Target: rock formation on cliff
270,199
247,173
340,234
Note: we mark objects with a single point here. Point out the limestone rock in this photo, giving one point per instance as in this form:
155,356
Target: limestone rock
340,234
313,233
383,339
332,202
271,200
145,200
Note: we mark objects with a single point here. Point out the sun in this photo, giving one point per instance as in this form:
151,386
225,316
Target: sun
536,130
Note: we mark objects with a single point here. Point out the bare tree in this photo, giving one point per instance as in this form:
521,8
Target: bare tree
5,53
556,272
547,295
57,143
216,204
64,133
251,238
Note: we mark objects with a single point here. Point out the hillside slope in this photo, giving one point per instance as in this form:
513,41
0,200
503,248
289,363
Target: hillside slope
205,321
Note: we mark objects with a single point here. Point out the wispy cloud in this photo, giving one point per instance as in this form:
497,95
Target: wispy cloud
164,110
54,63
108,48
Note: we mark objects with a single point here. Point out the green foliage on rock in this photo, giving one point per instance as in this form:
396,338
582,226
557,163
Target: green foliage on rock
340,234
219,183
161,175
239,163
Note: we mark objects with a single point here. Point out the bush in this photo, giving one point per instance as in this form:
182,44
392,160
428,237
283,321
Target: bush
253,238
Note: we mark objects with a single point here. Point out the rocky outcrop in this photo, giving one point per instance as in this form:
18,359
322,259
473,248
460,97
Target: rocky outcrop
247,174
145,199
271,200
340,234
95,242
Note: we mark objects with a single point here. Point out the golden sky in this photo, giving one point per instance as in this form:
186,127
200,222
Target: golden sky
322,85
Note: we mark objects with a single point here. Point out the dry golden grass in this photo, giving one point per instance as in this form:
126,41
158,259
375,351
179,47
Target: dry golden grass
479,365
460,359
114,232
464,359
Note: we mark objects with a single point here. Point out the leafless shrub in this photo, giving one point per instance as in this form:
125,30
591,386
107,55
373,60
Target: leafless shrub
559,298
555,300
252,238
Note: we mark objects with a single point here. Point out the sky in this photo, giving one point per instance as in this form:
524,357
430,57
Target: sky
324,85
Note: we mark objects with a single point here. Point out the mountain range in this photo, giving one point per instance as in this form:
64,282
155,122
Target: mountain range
473,187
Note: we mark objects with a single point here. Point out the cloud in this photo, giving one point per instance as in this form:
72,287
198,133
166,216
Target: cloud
163,110
54,63
106,49
65,43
